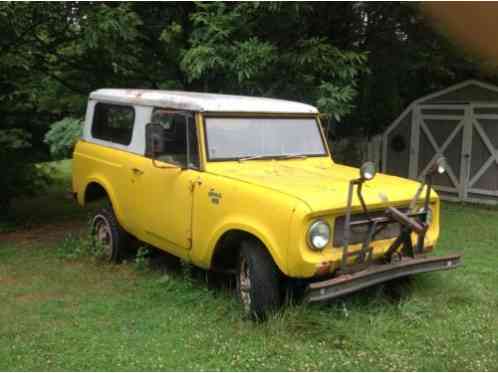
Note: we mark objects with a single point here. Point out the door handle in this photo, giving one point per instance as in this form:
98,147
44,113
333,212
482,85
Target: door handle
137,171
194,183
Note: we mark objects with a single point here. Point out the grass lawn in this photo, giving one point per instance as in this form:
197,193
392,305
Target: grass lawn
77,314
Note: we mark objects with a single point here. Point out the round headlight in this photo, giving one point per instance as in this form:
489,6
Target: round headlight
319,235
368,171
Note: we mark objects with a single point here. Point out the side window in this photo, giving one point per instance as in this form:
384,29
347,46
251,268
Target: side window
179,138
113,123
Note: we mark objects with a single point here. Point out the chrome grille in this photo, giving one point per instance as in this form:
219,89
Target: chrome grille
359,232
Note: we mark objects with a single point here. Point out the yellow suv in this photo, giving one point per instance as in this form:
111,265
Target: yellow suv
247,185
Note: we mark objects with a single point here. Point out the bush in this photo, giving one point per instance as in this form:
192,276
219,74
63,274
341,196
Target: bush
62,137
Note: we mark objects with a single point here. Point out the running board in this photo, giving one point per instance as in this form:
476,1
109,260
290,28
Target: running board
378,273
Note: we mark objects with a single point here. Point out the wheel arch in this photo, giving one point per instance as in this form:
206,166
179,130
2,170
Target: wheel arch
97,189
224,248
94,191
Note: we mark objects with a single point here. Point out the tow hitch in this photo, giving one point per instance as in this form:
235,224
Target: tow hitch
358,270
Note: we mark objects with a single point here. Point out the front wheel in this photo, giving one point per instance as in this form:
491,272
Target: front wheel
258,281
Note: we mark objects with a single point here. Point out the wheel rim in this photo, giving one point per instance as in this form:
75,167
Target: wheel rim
103,236
245,285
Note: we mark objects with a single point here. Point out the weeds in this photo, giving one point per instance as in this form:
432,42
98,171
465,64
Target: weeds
73,247
142,259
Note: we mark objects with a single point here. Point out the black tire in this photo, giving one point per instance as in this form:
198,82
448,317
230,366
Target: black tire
261,295
107,232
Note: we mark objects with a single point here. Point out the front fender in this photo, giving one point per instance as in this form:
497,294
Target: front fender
277,247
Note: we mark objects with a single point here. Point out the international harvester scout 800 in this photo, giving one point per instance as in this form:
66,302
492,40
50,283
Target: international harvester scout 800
247,185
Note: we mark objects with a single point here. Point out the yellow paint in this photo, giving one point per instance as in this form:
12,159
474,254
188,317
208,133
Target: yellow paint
185,212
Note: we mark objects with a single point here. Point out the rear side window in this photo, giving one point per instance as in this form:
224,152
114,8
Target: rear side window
113,123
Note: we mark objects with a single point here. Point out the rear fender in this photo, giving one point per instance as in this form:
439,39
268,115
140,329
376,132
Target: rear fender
110,193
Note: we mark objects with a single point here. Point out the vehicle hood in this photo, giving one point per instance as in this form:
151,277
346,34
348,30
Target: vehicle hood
322,186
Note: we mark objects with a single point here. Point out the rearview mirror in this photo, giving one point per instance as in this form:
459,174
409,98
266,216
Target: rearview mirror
154,144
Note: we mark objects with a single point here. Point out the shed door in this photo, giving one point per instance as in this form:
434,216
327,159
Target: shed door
440,131
482,180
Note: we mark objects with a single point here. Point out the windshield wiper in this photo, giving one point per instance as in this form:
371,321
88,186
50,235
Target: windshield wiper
280,156
293,156
259,156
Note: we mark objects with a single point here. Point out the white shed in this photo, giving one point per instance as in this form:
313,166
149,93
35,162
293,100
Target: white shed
459,123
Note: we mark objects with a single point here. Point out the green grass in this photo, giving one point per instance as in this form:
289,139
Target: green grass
79,314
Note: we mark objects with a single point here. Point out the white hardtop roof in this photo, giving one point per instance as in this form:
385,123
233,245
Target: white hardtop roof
196,101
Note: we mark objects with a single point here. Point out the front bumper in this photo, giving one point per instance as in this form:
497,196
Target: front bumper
376,274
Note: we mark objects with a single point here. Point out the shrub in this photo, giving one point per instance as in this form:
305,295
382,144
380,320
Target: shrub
62,137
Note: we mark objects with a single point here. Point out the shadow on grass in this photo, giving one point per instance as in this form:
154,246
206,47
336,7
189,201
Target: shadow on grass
161,262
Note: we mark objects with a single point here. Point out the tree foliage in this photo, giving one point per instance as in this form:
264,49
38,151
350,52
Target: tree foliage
62,137
233,48
359,62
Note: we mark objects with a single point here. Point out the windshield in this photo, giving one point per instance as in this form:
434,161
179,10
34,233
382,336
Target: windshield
252,138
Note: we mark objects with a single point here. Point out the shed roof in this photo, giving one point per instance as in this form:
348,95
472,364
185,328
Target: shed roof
464,92
467,91
204,102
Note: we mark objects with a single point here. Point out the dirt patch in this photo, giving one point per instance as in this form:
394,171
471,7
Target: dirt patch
7,280
44,234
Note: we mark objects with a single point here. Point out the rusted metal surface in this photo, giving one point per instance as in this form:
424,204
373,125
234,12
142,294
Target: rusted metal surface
359,223
376,274
373,226
406,220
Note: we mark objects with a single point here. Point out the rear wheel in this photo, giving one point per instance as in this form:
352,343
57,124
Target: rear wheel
258,281
111,240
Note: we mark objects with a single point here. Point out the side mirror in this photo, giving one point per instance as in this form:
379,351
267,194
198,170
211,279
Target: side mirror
154,142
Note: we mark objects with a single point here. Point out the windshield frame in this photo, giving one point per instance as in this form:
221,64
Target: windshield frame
208,115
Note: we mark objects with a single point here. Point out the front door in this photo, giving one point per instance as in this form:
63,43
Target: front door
165,192
482,168
441,131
